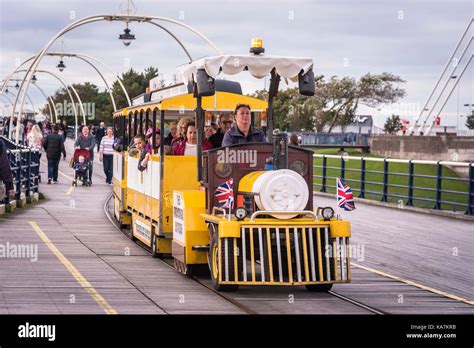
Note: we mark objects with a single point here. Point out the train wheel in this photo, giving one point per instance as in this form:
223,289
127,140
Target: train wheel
214,259
318,287
154,252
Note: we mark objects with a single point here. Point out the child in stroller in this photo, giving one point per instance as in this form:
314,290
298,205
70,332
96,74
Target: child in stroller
81,167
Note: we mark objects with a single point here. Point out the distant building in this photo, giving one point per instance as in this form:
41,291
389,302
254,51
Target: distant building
362,124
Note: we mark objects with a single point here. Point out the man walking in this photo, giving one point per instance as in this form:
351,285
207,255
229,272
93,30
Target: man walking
99,134
54,146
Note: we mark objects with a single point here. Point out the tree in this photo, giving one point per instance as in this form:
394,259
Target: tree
393,124
470,122
135,83
98,102
335,101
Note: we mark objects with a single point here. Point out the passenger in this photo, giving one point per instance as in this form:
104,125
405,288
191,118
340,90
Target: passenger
86,141
215,127
294,140
182,124
188,147
172,134
208,132
243,132
225,123
107,154
139,144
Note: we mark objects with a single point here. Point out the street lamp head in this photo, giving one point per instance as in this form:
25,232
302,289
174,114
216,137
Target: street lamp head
126,37
61,65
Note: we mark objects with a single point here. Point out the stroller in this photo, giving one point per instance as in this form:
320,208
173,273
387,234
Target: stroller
81,165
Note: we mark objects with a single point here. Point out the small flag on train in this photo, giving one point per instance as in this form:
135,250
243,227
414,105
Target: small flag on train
225,194
345,199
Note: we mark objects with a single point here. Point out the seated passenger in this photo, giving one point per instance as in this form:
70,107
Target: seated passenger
183,122
243,132
188,147
225,123
139,145
149,145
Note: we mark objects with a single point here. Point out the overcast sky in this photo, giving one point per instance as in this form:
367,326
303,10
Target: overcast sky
410,38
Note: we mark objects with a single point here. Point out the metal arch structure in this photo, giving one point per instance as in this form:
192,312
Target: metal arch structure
66,87
85,59
427,117
50,101
451,92
412,128
92,19
27,95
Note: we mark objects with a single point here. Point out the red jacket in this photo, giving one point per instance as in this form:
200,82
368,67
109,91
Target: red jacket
178,149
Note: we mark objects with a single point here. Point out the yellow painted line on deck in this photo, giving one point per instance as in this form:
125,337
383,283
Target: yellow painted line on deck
73,270
421,286
60,172
69,191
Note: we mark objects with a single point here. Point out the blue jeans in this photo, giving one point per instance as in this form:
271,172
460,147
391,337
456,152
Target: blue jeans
108,167
53,165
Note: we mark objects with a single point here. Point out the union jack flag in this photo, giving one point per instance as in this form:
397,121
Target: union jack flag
225,194
345,198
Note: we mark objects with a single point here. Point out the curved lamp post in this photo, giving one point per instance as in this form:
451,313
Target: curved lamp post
87,20
66,87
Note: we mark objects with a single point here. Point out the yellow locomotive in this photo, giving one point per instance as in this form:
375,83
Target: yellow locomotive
270,233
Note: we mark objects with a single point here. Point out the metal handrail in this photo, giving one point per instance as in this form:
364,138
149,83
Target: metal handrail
395,160
269,212
436,192
24,163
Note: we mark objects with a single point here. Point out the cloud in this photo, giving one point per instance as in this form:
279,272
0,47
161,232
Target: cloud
410,38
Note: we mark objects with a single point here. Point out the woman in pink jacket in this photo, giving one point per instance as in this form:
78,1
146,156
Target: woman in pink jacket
188,147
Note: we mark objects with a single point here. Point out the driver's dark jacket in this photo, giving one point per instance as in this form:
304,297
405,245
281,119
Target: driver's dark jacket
235,136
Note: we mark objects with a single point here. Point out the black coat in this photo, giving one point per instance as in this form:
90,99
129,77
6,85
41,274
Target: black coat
54,146
5,170
216,139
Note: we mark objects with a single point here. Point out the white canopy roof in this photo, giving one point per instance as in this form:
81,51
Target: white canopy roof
258,66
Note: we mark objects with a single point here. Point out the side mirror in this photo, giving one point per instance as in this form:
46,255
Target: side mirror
205,85
306,83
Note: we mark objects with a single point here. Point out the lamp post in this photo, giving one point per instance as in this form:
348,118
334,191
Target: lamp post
457,106
126,37
61,66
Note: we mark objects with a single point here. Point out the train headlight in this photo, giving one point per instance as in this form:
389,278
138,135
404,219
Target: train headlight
327,213
241,213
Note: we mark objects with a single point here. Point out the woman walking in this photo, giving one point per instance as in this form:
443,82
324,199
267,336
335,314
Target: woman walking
106,150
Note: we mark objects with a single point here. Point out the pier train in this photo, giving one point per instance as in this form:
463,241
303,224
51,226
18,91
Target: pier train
273,235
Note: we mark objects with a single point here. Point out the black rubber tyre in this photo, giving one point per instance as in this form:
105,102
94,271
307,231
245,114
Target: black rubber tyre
154,252
214,259
318,287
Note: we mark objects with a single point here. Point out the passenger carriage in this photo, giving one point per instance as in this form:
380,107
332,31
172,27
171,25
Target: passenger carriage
273,234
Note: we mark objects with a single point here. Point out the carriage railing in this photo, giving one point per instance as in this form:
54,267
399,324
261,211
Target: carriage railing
418,183
24,163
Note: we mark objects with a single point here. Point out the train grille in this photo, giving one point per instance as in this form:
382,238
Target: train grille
292,255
